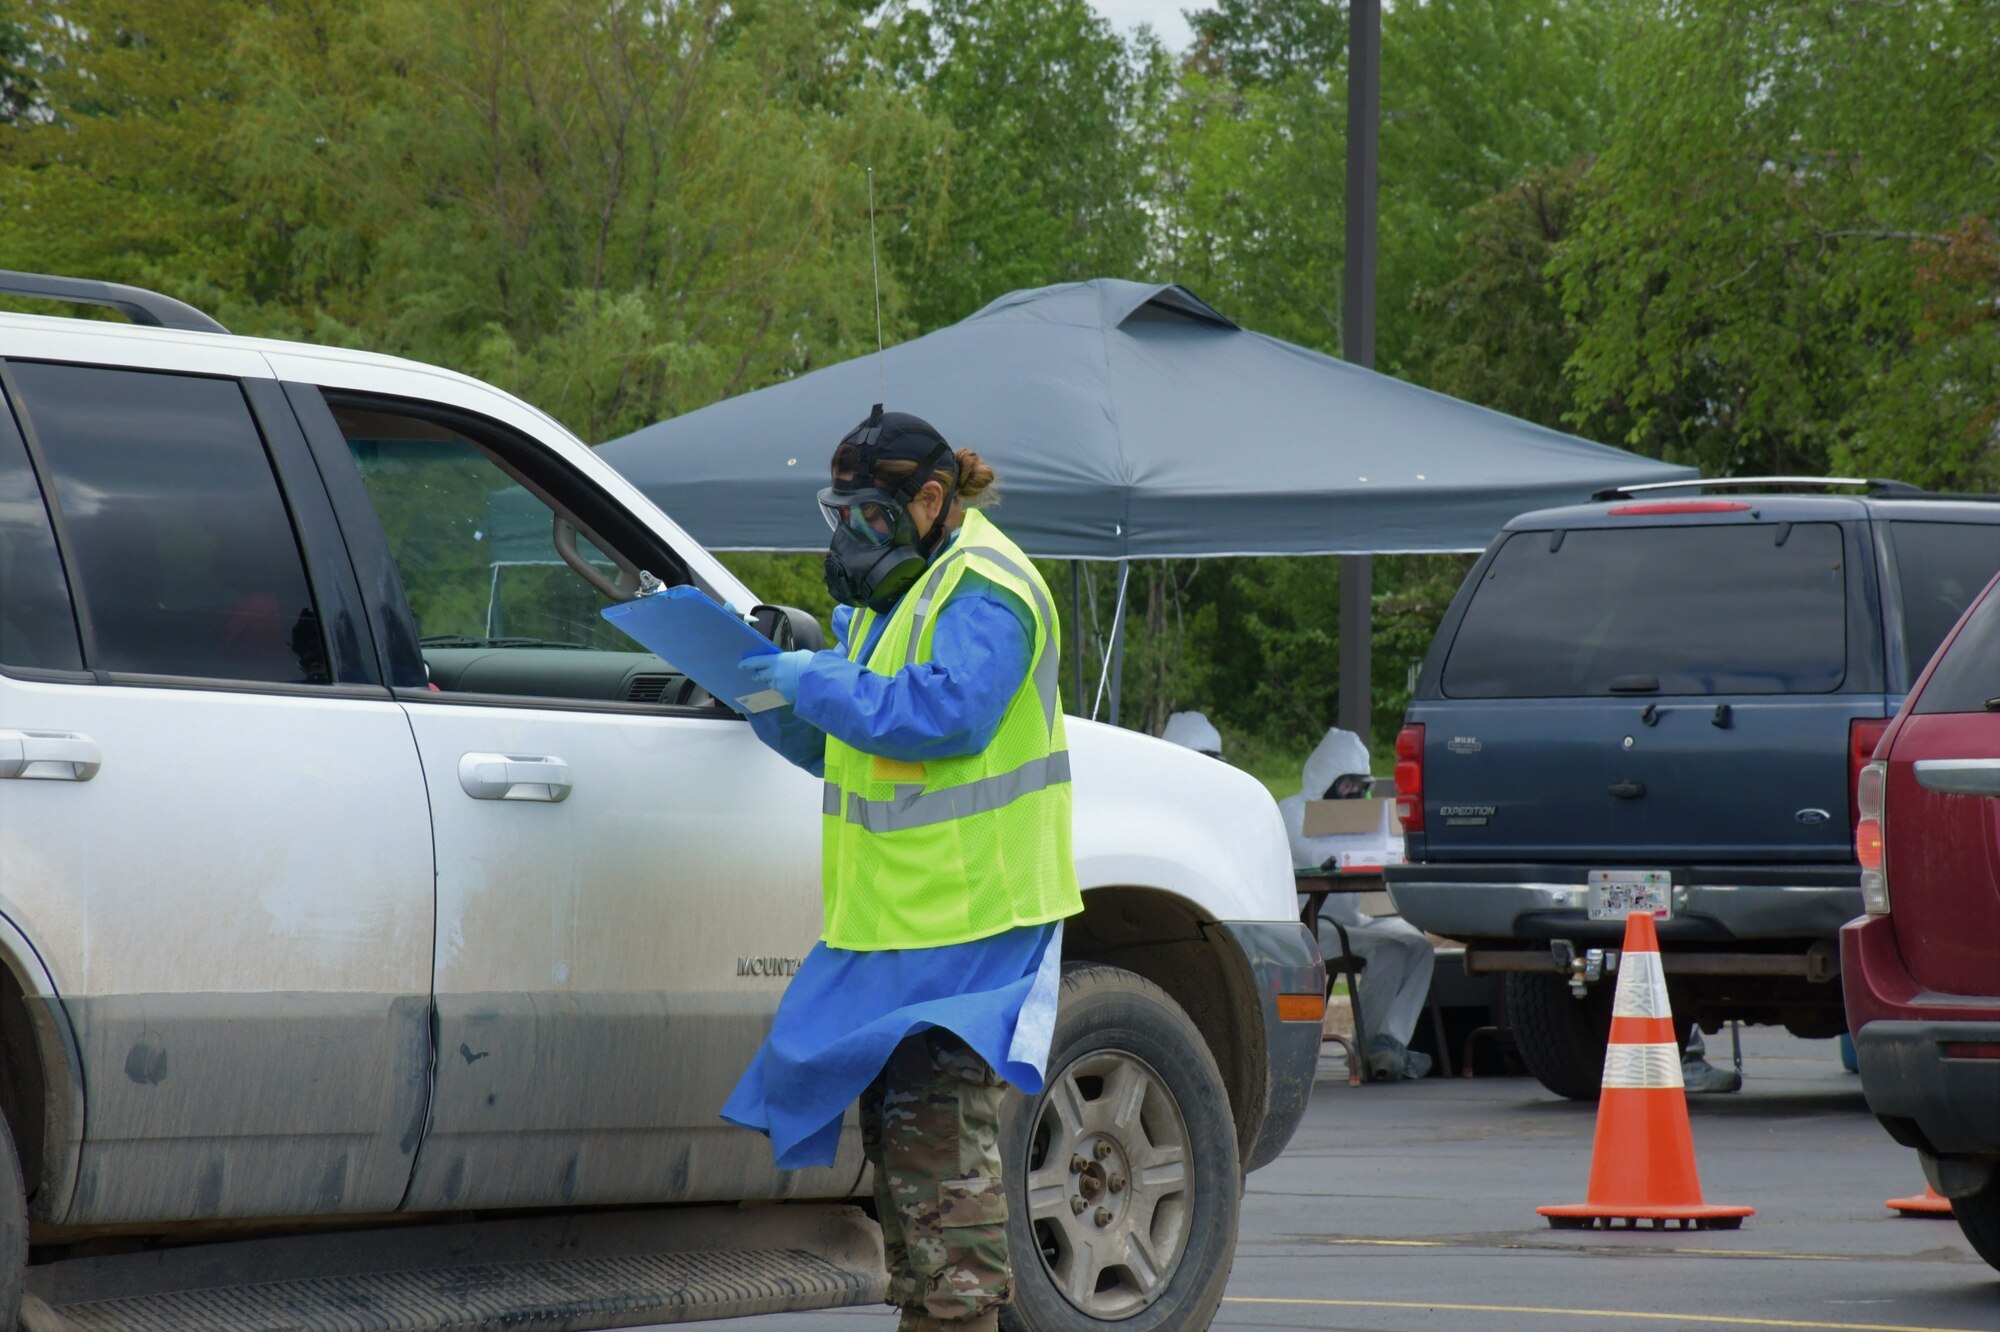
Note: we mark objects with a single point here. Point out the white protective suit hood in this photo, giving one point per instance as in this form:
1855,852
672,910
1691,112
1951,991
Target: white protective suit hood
1338,754
1192,730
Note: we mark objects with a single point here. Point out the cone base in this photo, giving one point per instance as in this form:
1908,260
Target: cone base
1922,1204
1698,1216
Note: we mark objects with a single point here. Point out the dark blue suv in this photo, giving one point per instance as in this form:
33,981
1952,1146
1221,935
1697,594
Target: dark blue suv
1662,699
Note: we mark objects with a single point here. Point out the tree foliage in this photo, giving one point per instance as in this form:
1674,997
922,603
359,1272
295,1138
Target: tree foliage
1788,257
1755,235
1046,176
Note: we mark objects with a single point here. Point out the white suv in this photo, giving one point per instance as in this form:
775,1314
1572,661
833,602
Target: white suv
373,914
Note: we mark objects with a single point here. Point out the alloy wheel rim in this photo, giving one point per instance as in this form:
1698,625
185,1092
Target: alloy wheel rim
1110,1195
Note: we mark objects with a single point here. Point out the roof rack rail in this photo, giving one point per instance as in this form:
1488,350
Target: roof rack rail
1873,485
135,303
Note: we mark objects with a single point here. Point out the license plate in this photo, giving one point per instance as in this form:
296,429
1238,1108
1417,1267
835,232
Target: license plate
1616,894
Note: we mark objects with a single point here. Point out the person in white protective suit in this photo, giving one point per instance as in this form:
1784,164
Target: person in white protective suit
1193,730
1399,959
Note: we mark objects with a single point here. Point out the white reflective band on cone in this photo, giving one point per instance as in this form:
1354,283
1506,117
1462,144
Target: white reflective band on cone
1642,987
1644,1067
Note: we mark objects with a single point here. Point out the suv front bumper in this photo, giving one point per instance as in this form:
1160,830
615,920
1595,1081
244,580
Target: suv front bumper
1712,904
1283,957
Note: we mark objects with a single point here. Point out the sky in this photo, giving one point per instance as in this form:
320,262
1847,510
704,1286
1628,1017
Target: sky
1164,15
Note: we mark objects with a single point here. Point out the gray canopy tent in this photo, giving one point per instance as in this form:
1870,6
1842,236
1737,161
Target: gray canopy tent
1131,421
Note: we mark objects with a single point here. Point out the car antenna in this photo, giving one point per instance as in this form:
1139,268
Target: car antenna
875,268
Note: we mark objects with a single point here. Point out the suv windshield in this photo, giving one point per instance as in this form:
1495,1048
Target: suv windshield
1699,609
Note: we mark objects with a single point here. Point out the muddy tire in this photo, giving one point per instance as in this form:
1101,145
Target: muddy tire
1122,1176
13,1231
1979,1217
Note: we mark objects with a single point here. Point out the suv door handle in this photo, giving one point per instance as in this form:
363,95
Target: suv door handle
1973,777
514,777
49,756
1628,790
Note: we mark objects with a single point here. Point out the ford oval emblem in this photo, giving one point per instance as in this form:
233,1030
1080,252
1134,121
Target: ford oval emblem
1812,818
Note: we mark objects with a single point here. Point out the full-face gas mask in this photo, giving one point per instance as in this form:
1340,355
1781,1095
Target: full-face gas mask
877,554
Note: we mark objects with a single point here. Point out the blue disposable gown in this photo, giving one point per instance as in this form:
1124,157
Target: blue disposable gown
845,1011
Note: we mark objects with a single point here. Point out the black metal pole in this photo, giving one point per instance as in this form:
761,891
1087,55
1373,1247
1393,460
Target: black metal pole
1076,630
1357,328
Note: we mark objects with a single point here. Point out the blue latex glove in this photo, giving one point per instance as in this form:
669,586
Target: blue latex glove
779,671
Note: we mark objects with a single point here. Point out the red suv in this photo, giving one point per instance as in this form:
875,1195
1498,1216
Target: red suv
1921,969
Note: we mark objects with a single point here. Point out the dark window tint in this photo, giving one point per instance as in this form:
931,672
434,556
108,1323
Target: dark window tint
1940,568
36,625
182,543
1751,609
1968,677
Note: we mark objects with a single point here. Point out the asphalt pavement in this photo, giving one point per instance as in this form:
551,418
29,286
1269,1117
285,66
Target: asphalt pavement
1412,1206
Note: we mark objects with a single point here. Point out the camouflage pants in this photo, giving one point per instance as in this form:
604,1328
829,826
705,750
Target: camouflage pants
930,1126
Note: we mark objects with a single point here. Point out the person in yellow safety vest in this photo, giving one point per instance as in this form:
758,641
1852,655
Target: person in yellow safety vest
946,862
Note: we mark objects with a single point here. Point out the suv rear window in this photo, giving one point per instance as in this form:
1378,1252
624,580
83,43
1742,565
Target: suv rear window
1940,568
174,525
1699,609
1969,675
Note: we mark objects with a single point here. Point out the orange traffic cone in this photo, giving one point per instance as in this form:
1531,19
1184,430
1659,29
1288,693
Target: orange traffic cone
1642,1167
1927,1203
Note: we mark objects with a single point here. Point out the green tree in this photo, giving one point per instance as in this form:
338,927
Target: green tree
20,68
1476,95
1789,258
620,212
1494,332
1250,42
1045,178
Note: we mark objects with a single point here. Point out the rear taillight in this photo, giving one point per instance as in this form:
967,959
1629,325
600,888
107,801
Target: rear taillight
1410,778
1870,844
1863,734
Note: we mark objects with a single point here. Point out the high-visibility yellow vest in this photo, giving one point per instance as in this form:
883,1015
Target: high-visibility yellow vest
920,855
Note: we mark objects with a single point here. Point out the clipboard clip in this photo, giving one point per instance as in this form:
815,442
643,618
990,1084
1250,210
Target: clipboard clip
648,585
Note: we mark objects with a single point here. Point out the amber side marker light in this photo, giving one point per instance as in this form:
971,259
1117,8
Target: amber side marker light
1301,1008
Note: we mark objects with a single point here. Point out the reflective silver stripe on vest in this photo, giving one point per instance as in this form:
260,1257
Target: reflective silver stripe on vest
1047,669
829,801
926,595
917,808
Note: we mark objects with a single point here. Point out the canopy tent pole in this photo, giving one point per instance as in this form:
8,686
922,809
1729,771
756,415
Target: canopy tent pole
1357,329
1114,650
1118,640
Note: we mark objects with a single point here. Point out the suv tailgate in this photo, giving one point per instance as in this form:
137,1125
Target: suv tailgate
1678,692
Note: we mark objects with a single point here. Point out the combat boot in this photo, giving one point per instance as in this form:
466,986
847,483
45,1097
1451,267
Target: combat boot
914,1320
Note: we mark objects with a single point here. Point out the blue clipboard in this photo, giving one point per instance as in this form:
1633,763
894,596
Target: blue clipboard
684,627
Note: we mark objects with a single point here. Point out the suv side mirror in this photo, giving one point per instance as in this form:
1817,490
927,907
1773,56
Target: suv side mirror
788,627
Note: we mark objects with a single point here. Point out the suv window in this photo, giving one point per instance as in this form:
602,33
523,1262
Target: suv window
1940,568
497,607
179,537
1969,675
1702,609
37,627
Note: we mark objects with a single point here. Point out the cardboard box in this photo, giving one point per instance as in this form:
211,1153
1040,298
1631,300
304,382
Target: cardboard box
1347,818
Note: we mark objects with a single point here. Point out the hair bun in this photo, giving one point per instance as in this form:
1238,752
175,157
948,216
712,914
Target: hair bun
975,475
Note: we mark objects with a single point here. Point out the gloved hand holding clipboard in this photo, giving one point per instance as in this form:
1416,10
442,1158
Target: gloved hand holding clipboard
684,627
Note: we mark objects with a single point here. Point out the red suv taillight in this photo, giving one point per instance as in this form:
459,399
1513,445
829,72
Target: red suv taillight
1870,844
1410,778
1863,734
